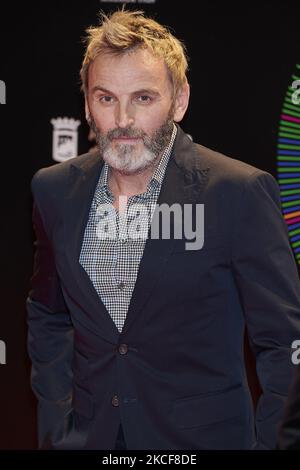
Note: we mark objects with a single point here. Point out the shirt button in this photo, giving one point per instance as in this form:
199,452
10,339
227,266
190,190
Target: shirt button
121,285
115,401
123,349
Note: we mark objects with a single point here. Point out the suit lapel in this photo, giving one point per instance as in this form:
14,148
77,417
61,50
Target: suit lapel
184,181
83,178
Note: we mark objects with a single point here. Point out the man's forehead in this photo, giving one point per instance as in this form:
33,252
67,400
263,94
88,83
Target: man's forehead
139,66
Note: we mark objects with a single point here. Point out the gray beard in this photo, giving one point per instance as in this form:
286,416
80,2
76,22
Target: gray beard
124,157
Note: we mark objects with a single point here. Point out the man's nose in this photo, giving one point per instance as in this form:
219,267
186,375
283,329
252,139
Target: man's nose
124,115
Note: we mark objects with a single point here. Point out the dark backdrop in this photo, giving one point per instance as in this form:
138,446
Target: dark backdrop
242,59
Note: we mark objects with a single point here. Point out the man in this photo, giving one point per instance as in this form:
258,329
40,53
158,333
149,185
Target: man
136,340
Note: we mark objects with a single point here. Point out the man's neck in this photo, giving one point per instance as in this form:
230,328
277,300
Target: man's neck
121,184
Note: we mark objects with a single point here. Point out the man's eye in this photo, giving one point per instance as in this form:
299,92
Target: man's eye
106,99
144,99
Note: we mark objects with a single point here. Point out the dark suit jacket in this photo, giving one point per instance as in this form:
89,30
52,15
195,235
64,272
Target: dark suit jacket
289,430
179,382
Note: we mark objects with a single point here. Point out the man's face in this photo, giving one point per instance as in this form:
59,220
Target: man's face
131,108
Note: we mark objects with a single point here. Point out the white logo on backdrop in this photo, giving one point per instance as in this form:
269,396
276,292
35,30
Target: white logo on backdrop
2,92
65,138
127,1
2,352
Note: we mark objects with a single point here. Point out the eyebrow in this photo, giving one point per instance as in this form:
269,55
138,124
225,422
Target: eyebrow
100,88
142,91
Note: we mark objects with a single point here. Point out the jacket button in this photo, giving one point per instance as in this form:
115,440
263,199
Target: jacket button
115,401
123,348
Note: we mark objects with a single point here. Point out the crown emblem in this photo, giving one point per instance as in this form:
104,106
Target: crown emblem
65,124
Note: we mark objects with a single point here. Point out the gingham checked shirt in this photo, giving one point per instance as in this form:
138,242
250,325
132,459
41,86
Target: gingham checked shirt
111,259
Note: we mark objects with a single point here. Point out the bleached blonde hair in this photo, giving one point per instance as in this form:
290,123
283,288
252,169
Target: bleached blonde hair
125,31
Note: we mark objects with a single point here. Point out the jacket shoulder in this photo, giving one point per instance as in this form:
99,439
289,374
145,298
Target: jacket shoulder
55,176
227,167
222,168
234,177
50,184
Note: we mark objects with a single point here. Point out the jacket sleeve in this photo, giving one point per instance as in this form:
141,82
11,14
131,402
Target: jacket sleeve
268,283
50,339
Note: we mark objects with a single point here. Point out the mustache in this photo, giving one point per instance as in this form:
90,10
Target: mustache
128,132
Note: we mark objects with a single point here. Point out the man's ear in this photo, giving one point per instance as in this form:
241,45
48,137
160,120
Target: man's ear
87,110
181,102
